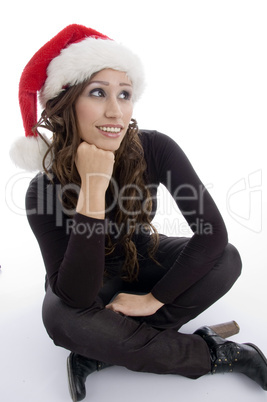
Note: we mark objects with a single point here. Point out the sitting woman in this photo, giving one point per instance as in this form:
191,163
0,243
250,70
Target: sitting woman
117,291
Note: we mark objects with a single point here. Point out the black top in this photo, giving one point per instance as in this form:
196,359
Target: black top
73,248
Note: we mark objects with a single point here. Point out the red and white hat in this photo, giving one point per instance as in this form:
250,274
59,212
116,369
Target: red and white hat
70,58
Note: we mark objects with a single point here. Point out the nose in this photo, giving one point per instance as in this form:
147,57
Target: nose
113,108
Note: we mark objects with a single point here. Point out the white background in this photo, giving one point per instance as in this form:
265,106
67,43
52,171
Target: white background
206,68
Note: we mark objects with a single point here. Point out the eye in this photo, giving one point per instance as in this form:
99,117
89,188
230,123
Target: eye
125,95
97,92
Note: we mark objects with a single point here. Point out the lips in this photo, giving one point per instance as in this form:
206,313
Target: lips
112,131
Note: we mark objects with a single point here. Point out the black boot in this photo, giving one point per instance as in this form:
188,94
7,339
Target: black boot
227,356
79,367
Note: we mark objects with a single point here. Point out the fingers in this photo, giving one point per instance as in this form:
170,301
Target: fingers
94,163
112,307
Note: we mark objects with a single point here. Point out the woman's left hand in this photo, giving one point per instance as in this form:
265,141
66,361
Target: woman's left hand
135,305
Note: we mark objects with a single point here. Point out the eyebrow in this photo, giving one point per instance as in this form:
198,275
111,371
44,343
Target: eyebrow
122,84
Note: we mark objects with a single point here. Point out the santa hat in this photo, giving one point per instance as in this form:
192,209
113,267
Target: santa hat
70,58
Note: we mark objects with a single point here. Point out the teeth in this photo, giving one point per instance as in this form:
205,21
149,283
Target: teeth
111,129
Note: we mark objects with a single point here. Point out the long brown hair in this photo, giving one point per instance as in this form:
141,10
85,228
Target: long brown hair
129,172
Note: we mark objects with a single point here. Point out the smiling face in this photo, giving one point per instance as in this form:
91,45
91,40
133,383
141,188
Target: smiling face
104,109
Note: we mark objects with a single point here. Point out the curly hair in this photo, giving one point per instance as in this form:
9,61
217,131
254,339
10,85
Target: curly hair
129,173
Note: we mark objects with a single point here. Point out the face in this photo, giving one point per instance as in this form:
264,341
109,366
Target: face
104,109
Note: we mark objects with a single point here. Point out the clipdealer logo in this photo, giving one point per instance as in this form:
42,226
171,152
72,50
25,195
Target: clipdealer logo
244,201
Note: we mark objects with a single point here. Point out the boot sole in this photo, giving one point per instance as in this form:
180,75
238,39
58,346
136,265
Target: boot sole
70,380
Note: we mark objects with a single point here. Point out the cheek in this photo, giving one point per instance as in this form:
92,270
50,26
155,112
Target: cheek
128,113
83,116
85,113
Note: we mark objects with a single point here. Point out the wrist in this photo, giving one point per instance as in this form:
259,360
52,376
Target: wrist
154,302
91,204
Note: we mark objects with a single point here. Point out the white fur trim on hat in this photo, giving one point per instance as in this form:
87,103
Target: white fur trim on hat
79,61
28,153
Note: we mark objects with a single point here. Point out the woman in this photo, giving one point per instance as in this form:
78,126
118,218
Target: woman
117,292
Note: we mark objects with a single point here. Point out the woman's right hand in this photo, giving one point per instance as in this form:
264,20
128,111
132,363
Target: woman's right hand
95,167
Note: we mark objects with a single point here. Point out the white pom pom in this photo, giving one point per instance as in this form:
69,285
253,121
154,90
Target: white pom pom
28,153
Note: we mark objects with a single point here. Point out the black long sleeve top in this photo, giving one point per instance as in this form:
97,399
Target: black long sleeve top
73,248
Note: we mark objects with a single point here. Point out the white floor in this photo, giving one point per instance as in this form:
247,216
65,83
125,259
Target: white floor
33,369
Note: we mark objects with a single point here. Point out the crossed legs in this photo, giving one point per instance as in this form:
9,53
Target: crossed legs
150,344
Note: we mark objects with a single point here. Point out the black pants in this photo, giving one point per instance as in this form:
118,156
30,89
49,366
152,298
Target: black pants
150,344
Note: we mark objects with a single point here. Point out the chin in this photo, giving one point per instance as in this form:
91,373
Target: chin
113,149
111,146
